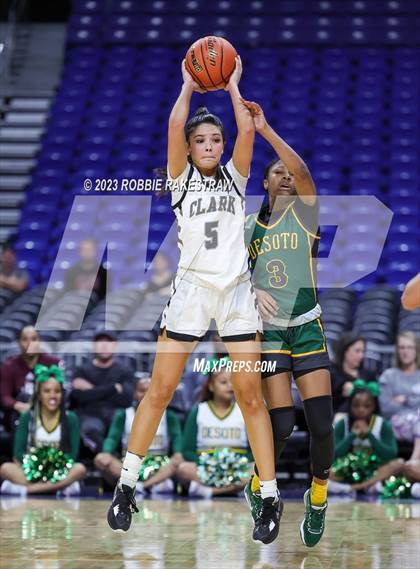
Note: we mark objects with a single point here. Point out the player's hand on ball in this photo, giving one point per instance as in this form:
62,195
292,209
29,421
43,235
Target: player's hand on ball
267,305
257,114
188,80
236,75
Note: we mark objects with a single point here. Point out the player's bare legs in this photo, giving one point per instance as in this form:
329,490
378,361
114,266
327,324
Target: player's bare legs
248,394
277,390
171,357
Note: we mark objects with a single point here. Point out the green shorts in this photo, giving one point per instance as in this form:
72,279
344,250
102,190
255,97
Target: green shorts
295,349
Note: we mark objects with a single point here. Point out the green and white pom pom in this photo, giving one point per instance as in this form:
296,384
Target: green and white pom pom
46,464
151,465
396,487
222,467
356,467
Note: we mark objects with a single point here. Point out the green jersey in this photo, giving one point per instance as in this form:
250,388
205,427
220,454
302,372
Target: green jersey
283,248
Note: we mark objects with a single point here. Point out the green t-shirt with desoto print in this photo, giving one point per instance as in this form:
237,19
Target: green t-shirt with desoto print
282,249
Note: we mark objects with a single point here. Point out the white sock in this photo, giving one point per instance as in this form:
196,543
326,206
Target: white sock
163,487
415,490
197,489
130,469
139,488
269,488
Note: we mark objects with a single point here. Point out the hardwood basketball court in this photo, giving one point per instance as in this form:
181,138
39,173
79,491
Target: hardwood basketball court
197,534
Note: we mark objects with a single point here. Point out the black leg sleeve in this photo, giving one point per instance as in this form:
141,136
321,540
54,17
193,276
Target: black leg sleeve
282,421
319,418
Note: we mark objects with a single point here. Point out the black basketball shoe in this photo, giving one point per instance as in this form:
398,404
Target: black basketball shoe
267,524
122,507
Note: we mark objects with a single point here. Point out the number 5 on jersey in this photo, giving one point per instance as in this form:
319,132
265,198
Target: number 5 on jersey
210,231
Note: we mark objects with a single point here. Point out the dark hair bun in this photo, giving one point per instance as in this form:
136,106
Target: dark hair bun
201,111
202,115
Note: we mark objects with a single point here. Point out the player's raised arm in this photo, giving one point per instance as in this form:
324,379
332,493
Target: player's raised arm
410,298
177,145
242,151
304,183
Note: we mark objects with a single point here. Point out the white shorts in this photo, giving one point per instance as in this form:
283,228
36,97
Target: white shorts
192,306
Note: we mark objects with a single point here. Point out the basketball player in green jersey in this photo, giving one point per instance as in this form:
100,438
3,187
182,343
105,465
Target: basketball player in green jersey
283,243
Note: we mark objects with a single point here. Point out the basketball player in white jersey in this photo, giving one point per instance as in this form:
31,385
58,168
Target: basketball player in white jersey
212,282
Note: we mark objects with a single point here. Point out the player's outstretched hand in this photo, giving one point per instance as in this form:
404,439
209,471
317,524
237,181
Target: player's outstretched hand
257,114
188,80
267,305
236,75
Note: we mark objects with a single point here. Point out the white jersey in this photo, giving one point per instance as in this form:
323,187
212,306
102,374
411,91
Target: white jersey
160,443
216,432
45,438
211,220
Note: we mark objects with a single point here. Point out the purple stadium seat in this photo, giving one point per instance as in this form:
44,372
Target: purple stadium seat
126,6
87,6
352,111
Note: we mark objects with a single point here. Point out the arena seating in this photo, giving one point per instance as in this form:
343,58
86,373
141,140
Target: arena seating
22,311
331,95
341,83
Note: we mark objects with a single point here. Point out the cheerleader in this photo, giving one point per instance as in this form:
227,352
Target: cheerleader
215,442
164,455
46,442
365,445
212,282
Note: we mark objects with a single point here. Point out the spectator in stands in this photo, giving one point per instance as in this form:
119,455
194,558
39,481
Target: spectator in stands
99,388
365,447
162,275
11,277
164,453
43,434
400,389
85,274
17,374
347,366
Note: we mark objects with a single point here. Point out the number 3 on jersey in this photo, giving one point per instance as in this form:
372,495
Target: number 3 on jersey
210,231
279,276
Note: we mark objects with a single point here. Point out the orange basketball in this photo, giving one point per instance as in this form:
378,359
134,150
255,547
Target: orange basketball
211,61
